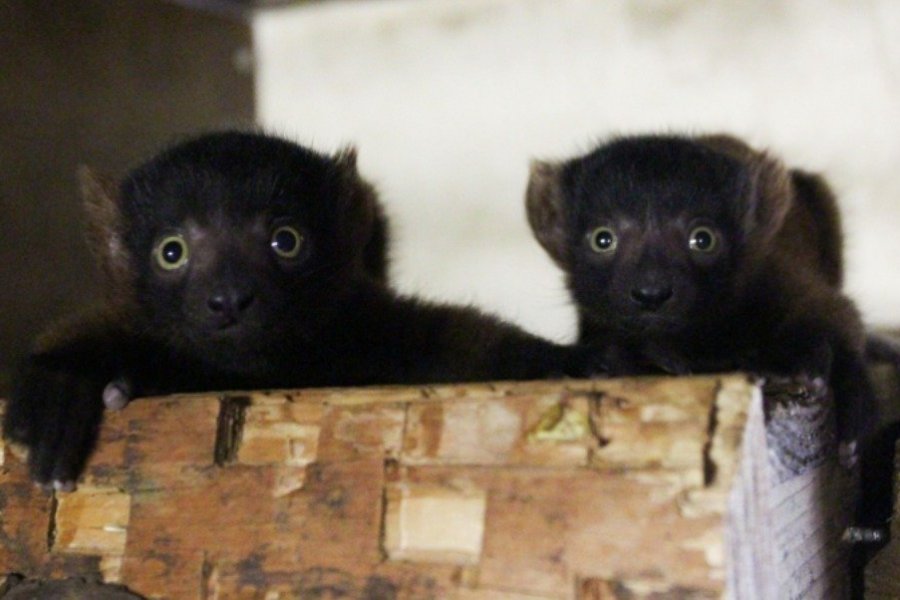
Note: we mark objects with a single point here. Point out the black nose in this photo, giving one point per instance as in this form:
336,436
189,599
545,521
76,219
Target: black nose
228,305
651,297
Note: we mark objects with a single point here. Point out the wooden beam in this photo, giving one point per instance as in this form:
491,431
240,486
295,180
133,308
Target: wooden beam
575,489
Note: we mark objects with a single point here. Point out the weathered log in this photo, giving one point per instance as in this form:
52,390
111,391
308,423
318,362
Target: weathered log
627,488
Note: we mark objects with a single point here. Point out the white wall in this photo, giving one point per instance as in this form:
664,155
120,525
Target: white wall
449,99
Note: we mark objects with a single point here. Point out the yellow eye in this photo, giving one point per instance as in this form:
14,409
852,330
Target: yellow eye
287,242
703,239
171,252
603,240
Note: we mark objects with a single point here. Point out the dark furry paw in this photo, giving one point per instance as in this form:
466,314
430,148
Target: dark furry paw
56,413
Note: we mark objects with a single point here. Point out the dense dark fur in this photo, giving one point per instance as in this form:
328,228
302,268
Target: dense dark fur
883,347
767,298
236,315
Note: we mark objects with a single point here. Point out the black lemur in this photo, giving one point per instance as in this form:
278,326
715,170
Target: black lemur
698,254
239,260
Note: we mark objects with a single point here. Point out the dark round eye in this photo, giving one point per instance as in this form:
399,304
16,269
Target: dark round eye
287,242
171,252
702,239
603,240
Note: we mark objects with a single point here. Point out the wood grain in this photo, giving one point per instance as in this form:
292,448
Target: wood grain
631,488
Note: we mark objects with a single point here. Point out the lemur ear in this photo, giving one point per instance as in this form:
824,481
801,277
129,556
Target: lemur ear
345,158
358,200
771,199
545,204
105,230
770,195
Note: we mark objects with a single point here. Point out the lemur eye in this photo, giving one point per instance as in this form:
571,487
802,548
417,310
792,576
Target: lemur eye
702,239
171,252
603,240
287,242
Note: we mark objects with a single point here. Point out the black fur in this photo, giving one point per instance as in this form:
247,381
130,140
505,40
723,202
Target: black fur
766,298
236,315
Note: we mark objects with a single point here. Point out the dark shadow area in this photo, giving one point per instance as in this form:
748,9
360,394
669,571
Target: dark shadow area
105,83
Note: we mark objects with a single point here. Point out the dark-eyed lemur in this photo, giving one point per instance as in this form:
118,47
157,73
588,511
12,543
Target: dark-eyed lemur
698,254
239,260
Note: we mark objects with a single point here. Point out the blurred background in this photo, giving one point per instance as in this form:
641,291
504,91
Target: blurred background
447,100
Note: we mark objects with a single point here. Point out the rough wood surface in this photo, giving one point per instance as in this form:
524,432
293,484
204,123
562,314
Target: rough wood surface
632,488
792,504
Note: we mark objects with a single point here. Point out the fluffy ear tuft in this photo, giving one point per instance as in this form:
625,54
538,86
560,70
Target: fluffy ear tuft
770,196
728,145
770,199
545,206
815,198
105,229
346,158
359,202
